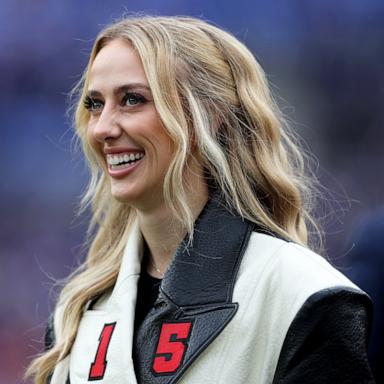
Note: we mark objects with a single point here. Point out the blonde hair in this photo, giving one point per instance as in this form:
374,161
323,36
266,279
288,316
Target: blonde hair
209,91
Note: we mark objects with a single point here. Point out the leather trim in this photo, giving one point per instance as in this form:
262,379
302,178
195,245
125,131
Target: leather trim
326,342
205,272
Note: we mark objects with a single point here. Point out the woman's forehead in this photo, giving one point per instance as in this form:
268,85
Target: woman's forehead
116,64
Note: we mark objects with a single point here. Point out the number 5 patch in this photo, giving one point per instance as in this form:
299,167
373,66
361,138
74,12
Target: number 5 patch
171,347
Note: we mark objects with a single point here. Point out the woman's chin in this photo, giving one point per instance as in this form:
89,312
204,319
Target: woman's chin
126,197
134,199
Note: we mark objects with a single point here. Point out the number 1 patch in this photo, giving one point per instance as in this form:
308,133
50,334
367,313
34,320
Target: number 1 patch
171,347
99,365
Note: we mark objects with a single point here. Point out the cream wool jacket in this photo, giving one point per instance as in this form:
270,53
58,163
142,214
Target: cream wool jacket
239,307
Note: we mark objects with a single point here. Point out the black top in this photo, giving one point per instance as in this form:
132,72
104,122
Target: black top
147,292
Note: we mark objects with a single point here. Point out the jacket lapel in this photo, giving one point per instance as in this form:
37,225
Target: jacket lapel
195,300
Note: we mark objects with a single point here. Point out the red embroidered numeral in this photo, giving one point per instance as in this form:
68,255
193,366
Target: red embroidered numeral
171,347
100,363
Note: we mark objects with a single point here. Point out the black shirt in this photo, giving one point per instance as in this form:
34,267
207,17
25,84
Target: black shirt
147,292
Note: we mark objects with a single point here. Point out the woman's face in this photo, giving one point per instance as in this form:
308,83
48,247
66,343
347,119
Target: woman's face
124,127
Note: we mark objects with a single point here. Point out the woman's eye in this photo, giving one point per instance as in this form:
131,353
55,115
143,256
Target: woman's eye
93,104
131,99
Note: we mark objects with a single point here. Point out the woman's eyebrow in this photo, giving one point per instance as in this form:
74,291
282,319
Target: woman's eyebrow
121,89
130,87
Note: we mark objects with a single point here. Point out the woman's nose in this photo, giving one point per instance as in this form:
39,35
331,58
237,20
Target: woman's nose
106,128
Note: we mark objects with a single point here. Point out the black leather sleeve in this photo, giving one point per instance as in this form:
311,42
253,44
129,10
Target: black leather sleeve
327,341
49,338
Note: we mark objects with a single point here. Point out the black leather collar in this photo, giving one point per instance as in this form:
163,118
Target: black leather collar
205,272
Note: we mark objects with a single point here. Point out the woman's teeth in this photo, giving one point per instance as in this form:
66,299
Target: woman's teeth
123,160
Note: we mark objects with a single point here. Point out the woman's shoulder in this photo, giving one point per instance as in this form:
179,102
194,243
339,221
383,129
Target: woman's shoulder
287,274
288,264
296,303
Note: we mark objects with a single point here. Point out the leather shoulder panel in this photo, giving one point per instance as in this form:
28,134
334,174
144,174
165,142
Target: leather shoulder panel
327,340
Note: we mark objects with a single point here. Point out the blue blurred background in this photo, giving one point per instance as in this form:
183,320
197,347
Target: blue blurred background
324,59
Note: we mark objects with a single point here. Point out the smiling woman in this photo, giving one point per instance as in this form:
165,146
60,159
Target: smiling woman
200,263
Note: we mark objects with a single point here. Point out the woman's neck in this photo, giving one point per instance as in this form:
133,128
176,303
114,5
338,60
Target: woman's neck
163,233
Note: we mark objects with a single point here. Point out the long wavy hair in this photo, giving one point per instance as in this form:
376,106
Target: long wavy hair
209,92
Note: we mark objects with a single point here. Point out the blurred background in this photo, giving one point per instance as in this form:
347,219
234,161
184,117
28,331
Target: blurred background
324,60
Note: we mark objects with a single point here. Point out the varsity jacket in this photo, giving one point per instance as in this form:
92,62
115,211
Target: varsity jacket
239,306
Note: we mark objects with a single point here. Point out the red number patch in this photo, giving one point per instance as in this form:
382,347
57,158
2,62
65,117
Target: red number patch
171,347
99,365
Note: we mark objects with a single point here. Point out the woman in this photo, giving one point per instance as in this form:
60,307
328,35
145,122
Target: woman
199,268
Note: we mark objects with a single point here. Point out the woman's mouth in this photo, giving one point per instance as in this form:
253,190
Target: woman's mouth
123,160
122,164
